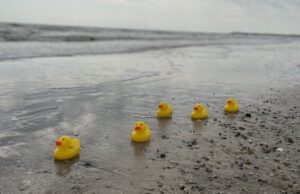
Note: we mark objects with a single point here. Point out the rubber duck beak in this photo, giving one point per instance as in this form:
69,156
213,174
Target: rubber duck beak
137,128
195,108
58,143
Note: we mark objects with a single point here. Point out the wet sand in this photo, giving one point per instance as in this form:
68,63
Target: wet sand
99,97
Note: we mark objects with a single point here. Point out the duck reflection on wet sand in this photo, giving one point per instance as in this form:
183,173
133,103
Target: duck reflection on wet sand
164,122
198,124
139,149
63,167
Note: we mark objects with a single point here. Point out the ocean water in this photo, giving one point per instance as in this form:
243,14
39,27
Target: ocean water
28,41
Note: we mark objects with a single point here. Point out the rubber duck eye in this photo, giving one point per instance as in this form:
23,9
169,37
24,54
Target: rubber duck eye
63,139
142,124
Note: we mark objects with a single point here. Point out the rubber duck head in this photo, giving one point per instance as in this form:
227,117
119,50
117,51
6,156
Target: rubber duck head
139,127
163,105
231,101
198,107
63,142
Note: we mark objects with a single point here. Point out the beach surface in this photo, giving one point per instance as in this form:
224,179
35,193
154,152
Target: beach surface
96,83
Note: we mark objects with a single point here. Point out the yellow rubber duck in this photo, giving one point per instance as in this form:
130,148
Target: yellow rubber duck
200,112
231,105
164,110
141,132
67,148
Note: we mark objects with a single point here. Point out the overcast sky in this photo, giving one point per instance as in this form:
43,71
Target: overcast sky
267,16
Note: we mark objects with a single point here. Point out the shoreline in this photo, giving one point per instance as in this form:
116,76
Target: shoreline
100,97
